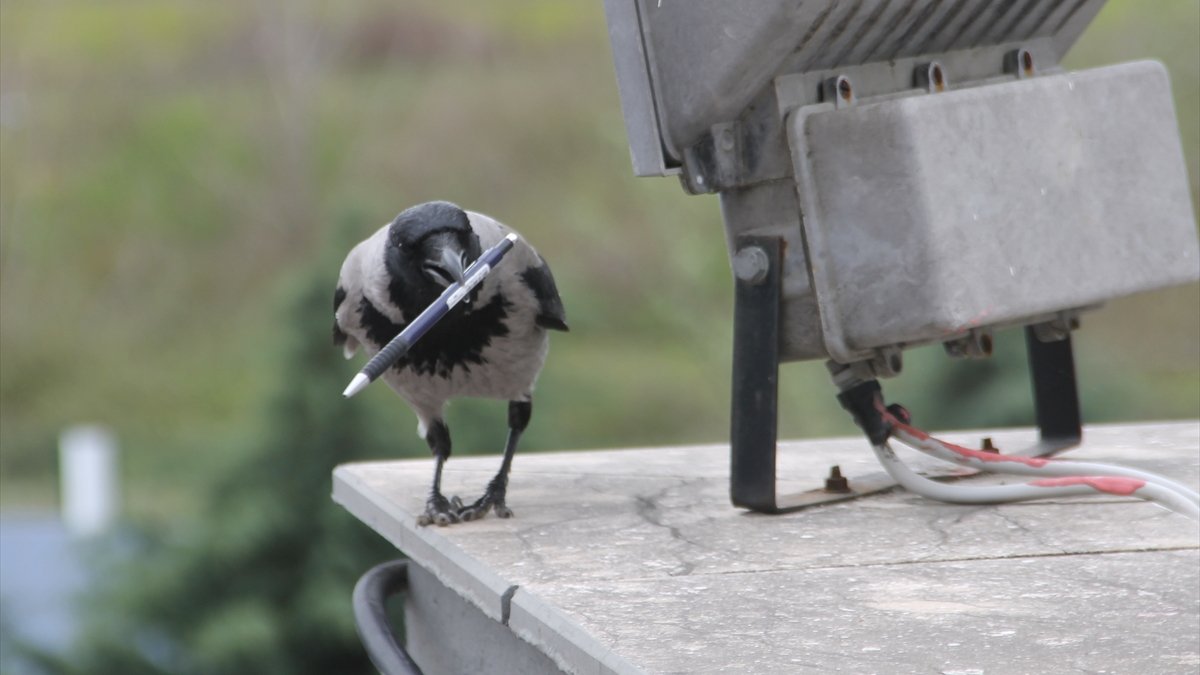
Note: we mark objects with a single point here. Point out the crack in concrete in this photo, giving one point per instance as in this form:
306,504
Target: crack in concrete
648,509
1035,535
941,526
527,546
934,561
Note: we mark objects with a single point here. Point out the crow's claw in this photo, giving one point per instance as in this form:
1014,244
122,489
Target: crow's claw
490,501
438,511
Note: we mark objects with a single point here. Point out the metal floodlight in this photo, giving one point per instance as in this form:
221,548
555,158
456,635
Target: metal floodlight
894,174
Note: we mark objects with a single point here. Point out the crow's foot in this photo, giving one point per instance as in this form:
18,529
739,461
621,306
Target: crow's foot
440,511
493,500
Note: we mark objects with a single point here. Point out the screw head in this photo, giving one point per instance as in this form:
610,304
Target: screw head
751,264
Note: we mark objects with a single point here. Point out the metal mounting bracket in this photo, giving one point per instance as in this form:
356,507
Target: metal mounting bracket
1055,391
754,418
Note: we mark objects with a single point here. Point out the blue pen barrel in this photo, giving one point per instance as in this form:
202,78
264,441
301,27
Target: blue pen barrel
385,357
450,297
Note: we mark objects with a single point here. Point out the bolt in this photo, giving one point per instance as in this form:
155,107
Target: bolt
1020,63
977,344
838,90
982,343
727,141
836,482
887,362
751,264
930,76
1056,329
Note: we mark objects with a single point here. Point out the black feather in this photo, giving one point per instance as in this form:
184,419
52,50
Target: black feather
417,222
551,314
457,340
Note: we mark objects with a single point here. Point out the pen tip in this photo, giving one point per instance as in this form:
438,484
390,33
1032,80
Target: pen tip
356,385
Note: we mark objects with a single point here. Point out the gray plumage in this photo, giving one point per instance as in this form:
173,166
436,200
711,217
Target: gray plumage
492,346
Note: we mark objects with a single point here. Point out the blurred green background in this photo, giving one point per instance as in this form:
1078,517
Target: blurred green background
179,180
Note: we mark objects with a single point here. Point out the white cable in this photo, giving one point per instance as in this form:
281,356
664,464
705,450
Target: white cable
862,397
1047,488
1026,466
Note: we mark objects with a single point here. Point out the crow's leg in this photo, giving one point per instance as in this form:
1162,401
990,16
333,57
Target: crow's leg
493,497
438,509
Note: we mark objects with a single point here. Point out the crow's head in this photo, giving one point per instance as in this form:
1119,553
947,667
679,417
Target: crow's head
429,247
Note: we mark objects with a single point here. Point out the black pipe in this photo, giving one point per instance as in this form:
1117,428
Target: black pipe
370,617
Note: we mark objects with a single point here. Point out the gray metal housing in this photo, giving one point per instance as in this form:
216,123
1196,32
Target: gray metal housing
928,216
684,65
930,170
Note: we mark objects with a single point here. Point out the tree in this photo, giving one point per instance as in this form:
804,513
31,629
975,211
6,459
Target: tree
262,584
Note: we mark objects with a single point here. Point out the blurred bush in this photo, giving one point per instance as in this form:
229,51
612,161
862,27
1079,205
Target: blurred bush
260,582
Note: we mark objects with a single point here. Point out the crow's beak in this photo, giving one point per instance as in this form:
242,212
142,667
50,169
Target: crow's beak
454,262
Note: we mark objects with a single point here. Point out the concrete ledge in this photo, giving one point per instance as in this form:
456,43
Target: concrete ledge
567,643
468,577
633,561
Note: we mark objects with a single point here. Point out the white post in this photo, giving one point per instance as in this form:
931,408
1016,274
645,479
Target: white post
88,475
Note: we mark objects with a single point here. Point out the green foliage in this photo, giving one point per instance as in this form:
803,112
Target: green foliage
261,582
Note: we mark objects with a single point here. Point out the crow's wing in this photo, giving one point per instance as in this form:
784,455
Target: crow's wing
536,276
540,280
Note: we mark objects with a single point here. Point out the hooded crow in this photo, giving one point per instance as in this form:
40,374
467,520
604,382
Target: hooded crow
491,345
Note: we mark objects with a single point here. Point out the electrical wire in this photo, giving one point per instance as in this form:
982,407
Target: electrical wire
1047,488
864,399
1028,466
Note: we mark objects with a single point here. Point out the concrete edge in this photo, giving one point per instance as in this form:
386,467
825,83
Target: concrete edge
465,576
571,647
786,445
533,621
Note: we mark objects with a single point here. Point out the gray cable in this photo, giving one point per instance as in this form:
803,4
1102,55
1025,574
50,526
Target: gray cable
1073,486
1030,466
